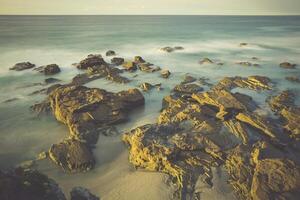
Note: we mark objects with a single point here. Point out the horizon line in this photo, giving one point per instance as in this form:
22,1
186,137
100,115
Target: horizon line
247,15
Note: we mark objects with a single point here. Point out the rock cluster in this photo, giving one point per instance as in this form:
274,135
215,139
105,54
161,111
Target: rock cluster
198,130
87,112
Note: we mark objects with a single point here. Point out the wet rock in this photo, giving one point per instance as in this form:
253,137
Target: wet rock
165,73
91,61
117,61
167,49
243,44
178,48
22,66
110,53
188,79
129,66
42,107
205,61
287,65
72,155
146,86
139,59
51,80
187,89
248,64
293,79
283,100
146,67
28,184
79,193
48,69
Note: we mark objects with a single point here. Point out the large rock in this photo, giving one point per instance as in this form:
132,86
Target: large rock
117,61
165,73
22,66
26,184
91,61
110,53
72,155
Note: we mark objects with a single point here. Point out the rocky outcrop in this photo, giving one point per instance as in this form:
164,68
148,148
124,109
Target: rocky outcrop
117,61
80,193
22,66
91,61
87,112
287,65
27,184
49,69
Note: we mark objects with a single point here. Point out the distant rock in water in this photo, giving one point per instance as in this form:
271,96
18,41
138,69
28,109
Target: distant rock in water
110,53
287,65
91,61
48,69
248,64
243,44
10,100
171,49
206,61
80,193
22,66
294,79
165,73
51,80
27,184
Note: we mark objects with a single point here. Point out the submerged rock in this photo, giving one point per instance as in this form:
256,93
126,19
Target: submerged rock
171,49
27,184
91,61
287,65
165,73
10,100
110,53
293,79
80,193
205,61
51,80
48,69
22,66
188,79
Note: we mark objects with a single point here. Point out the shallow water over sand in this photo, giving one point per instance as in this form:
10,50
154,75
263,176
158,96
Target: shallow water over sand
67,40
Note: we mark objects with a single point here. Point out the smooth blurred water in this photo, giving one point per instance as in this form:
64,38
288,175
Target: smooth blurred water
68,39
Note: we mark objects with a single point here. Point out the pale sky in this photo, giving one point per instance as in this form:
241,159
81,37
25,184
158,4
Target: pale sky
151,7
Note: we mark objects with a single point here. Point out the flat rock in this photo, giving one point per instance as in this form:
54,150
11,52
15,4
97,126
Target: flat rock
206,61
287,65
91,61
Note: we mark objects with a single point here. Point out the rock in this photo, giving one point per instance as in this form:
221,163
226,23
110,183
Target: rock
79,193
165,73
291,118
27,184
205,61
178,48
276,179
139,59
27,164
146,67
72,155
91,61
283,100
42,107
187,89
167,49
243,44
110,53
43,155
255,58
287,65
188,79
48,69
51,80
117,61
293,79
22,66
146,86
129,66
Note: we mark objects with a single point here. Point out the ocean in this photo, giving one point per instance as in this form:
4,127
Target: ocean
65,40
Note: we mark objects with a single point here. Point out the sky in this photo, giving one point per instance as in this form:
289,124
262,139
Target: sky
150,7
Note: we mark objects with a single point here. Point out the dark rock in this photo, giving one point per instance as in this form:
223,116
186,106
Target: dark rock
188,79
139,59
26,184
178,48
110,53
167,49
72,155
22,66
91,61
51,80
48,69
79,193
293,79
146,86
10,100
187,89
117,61
287,65
205,61
243,44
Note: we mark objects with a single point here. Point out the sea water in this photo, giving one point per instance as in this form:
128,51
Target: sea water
65,40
